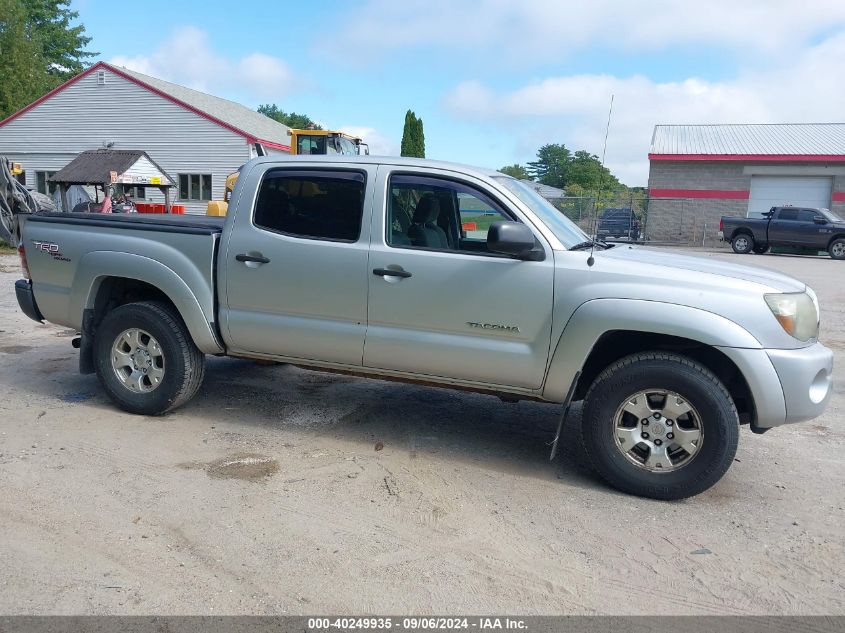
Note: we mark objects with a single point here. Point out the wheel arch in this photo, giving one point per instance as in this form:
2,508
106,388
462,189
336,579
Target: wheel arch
617,344
741,230
604,330
136,278
837,236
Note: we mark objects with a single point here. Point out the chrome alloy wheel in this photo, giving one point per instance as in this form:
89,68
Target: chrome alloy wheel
137,360
838,250
657,430
741,242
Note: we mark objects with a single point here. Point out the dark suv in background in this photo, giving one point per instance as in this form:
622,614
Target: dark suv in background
618,222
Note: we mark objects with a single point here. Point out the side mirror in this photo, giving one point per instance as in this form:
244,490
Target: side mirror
514,239
819,220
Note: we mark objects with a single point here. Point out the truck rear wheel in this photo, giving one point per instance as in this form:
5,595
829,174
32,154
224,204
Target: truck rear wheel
837,249
742,243
145,358
660,425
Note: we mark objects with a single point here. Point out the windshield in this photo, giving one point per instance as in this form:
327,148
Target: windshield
564,229
831,216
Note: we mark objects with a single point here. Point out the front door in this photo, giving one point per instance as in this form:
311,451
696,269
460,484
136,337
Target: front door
452,309
296,265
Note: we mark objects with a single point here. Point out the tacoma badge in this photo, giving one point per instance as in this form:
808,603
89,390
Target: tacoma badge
494,326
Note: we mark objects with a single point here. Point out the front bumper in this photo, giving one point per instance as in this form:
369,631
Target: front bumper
26,300
806,376
787,385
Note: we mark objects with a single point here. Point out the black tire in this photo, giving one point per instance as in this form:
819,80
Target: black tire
742,243
694,383
760,249
836,249
183,363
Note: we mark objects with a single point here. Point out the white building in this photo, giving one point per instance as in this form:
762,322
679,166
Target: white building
196,138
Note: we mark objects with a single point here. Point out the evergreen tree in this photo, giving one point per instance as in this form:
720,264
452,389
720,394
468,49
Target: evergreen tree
408,147
38,50
22,66
419,138
62,45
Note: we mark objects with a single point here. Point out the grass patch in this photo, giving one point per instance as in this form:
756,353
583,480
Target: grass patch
5,249
482,222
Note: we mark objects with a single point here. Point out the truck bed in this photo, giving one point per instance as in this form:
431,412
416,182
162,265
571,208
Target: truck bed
70,255
194,224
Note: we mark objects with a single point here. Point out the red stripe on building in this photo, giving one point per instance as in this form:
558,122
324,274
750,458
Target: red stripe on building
164,95
797,158
838,196
715,194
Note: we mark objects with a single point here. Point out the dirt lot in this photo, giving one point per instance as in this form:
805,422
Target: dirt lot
279,490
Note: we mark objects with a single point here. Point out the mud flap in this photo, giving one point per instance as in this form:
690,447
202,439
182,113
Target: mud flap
564,413
86,343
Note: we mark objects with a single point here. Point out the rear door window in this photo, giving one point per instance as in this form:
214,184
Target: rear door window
788,214
325,205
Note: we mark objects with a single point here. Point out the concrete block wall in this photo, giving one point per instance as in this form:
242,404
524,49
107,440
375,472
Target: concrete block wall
689,221
678,217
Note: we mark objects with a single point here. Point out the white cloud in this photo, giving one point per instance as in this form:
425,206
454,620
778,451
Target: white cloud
186,58
380,145
573,109
503,31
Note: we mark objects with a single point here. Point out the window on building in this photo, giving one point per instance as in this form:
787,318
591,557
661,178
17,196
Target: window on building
43,184
316,204
136,191
195,186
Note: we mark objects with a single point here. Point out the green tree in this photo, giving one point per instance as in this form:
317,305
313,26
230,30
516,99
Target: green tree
62,44
419,138
39,48
551,165
517,171
22,66
408,146
413,136
586,170
291,119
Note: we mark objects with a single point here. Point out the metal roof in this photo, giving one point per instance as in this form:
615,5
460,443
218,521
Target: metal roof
770,139
96,166
547,191
234,114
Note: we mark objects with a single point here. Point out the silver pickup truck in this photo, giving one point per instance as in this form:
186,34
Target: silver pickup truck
438,273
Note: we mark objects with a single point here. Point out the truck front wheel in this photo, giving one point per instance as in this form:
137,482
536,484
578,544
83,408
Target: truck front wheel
742,243
660,425
145,358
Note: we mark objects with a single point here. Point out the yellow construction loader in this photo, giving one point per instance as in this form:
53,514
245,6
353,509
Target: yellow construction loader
307,142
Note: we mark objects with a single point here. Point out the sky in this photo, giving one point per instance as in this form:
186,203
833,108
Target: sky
493,80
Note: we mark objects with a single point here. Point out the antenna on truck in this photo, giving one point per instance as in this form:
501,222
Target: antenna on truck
591,260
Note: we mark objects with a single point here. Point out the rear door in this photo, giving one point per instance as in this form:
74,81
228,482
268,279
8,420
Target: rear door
453,309
782,228
296,263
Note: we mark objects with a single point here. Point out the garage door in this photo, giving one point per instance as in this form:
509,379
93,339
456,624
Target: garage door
799,191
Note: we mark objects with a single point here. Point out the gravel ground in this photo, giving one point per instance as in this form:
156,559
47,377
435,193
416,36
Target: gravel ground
285,491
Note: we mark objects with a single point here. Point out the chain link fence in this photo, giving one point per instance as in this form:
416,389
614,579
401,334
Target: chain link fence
659,221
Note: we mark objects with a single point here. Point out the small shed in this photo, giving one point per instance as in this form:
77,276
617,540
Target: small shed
106,167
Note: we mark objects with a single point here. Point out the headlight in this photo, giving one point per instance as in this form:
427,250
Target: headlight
796,312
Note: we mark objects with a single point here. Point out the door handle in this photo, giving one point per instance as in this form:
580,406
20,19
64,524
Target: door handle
389,272
258,259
